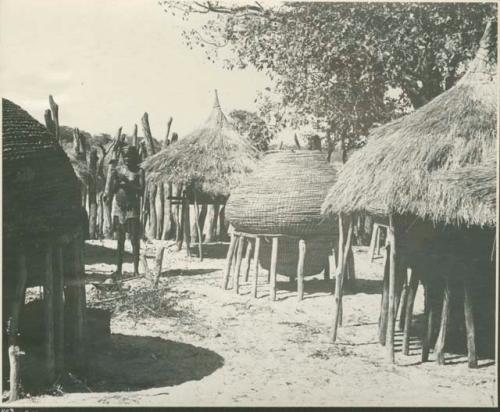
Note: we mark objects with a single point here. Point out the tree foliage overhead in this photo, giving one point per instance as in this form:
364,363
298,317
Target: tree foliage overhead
249,124
334,63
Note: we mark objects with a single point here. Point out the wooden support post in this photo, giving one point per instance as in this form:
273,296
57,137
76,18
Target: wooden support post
377,243
393,264
469,323
248,259
373,240
79,280
229,261
382,327
338,279
55,117
429,322
403,301
155,279
48,301
407,311
186,224
197,223
326,271
272,270
445,316
256,265
59,308
13,326
237,267
300,269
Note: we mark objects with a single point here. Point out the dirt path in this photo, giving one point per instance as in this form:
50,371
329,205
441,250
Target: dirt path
219,348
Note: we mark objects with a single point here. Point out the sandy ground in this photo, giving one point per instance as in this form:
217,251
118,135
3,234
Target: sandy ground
218,348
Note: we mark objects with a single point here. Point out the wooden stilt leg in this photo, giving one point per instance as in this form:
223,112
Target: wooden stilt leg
237,267
229,261
377,243
256,266
59,308
382,327
403,301
80,301
326,271
407,312
429,323
445,315
13,327
373,241
272,271
391,313
469,324
248,259
300,269
48,292
339,274
198,229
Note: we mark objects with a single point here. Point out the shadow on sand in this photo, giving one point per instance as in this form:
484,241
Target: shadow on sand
188,272
102,254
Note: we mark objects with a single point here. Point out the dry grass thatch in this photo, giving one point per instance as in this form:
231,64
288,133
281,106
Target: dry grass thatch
41,192
213,158
284,195
396,172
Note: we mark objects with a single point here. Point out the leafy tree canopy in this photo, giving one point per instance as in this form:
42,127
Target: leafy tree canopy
339,65
251,125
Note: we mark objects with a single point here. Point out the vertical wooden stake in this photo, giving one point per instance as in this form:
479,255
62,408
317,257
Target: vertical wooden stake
469,324
229,261
272,271
445,315
373,241
429,322
59,308
338,279
197,223
79,287
256,265
186,223
300,269
407,311
48,292
403,301
391,315
237,267
248,259
155,279
13,327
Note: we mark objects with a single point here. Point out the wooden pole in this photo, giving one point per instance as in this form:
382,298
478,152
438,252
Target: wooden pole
256,265
300,269
158,264
13,326
48,295
49,123
429,321
445,315
108,220
373,241
135,139
229,261
59,308
79,287
187,234
469,323
237,268
92,194
407,311
382,328
197,223
338,279
248,259
391,314
272,271
55,117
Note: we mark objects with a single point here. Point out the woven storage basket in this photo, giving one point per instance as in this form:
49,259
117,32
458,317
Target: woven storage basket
41,192
284,196
317,251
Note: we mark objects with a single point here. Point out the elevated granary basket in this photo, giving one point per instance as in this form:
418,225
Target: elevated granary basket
283,196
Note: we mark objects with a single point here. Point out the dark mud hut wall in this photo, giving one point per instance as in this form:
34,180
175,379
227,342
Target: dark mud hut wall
42,237
404,173
282,200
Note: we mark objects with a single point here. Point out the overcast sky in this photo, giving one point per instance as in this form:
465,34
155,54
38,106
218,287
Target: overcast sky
106,62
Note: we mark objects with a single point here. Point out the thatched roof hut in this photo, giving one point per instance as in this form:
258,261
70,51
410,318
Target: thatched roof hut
395,172
41,192
212,159
440,229
282,199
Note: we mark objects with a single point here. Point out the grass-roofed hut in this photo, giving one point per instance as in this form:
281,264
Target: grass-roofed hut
280,204
443,231
42,238
207,163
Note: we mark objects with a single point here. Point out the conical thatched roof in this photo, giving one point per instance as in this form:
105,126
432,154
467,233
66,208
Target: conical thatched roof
284,195
396,172
213,158
41,196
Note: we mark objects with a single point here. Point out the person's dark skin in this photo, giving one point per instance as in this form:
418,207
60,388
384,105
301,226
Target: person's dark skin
133,186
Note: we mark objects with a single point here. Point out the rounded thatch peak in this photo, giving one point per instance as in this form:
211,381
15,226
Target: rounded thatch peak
212,158
41,192
284,195
396,171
